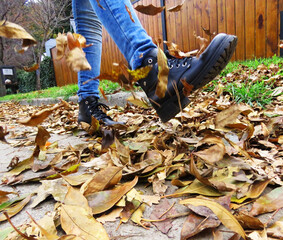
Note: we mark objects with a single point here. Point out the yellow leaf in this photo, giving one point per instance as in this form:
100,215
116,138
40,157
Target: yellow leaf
222,213
77,61
76,220
163,71
12,211
12,30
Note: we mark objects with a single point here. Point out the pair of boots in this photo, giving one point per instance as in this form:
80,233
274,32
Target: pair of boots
195,71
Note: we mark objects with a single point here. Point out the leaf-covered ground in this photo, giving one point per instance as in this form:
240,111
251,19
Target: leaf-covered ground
224,158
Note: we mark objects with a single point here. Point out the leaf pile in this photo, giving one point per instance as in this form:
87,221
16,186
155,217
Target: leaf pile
223,154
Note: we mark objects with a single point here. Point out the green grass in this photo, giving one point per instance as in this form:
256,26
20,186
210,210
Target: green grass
65,92
253,93
243,92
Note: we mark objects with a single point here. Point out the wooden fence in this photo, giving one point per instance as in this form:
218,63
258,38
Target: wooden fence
255,22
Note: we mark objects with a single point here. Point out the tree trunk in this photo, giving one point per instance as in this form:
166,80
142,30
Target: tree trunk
1,51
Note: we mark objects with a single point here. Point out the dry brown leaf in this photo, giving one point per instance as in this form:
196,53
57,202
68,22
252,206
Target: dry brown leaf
203,43
15,209
149,9
61,45
102,180
222,213
104,200
230,116
129,12
76,220
40,116
33,68
195,224
77,61
214,153
249,222
3,133
268,203
12,30
176,8
163,71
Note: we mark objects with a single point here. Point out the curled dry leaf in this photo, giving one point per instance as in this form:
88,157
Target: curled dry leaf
104,200
227,219
12,30
268,203
214,153
163,71
149,9
102,180
33,68
203,43
40,116
76,60
129,12
176,52
3,133
15,209
61,45
195,224
76,220
176,8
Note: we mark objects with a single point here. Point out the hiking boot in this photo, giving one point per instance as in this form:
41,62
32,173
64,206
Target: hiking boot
91,107
195,71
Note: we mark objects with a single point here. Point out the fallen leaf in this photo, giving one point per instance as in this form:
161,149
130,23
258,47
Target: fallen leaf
104,200
77,61
129,12
149,9
195,224
12,30
176,8
102,180
268,203
3,133
12,211
163,71
33,68
227,219
249,222
76,220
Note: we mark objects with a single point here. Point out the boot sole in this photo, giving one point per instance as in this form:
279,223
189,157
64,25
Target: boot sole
214,66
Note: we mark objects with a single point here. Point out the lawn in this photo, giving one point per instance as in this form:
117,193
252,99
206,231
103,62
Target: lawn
246,91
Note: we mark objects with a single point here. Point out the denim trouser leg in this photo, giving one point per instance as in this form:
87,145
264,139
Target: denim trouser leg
130,37
88,25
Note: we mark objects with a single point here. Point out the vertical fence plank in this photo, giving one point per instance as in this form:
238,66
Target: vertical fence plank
179,26
230,19
205,16
250,28
185,28
271,31
222,16
260,27
240,28
191,24
212,5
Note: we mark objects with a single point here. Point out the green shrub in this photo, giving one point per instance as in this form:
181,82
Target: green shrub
47,75
27,80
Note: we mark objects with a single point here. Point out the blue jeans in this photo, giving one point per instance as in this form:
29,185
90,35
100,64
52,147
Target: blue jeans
130,37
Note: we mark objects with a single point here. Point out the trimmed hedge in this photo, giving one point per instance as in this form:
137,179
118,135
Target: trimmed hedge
27,80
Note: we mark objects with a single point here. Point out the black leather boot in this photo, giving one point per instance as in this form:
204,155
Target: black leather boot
196,71
91,107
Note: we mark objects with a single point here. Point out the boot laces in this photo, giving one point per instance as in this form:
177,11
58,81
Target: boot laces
96,109
184,62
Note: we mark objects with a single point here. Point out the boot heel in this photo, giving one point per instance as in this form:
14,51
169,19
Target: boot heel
171,108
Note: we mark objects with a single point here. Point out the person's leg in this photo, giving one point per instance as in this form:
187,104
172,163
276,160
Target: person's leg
125,30
89,26
139,51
